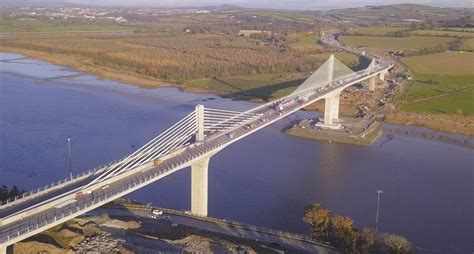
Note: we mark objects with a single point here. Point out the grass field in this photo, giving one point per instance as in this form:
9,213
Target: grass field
442,33
376,31
308,40
444,83
450,63
467,45
395,43
28,26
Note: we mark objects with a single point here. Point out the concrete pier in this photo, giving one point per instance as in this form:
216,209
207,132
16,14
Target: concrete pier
331,112
199,187
372,83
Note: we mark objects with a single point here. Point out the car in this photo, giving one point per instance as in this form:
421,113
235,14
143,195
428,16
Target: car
157,212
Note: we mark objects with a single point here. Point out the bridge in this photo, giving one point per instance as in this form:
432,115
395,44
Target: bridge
191,142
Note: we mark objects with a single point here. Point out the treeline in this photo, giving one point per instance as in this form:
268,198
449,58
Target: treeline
342,233
177,57
6,193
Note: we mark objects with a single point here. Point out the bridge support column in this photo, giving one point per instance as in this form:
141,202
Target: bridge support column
372,83
335,108
382,75
199,183
331,112
3,249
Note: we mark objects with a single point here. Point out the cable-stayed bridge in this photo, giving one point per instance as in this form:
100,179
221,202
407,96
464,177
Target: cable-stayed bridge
191,142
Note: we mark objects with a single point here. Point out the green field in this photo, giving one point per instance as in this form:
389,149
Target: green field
395,43
449,63
443,33
308,40
443,83
376,31
8,25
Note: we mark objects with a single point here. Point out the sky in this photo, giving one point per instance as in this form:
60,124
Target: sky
278,4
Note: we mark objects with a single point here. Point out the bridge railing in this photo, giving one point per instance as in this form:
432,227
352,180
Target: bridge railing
54,185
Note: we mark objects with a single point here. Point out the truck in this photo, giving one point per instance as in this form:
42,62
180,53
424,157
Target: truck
81,194
157,163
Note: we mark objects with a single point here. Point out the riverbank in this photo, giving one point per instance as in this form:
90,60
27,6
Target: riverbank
458,124
463,125
126,227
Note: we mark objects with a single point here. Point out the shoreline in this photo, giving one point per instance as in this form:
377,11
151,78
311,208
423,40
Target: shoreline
127,77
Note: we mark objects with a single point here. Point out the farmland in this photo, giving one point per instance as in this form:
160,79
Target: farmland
376,31
442,33
8,25
443,83
308,40
395,43
467,44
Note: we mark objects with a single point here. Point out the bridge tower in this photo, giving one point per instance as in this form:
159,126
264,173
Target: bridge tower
331,102
372,80
199,171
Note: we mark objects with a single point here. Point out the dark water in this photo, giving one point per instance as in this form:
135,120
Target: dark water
265,179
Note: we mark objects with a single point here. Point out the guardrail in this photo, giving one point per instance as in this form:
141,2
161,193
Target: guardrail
39,191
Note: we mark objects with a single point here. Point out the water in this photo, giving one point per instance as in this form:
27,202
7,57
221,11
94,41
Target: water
265,179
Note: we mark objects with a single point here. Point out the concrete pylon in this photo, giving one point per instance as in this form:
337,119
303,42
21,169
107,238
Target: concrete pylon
372,83
382,75
335,107
331,69
3,249
200,123
331,112
199,187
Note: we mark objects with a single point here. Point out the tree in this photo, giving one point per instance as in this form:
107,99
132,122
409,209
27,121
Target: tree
318,218
396,244
342,233
365,240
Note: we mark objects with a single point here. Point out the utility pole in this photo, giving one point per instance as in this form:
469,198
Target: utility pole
377,214
69,151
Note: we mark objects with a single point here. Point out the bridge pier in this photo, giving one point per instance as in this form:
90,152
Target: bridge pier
372,83
199,187
3,249
382,74
331,112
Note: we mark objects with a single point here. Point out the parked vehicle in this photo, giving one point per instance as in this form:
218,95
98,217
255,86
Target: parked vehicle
157,212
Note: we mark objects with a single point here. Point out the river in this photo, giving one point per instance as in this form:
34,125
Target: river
265,179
